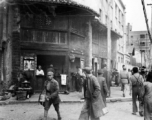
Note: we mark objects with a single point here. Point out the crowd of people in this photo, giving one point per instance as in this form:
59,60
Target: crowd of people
140,84
96,91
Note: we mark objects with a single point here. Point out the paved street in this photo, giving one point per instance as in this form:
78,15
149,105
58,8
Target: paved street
117,111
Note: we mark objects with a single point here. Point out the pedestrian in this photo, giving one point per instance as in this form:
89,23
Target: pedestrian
124,80
29,76
143,72
147,99
78,80
39,78
51,68
93,104
83,84
105,75
115,77
136,83
103,86
52,97
39,71
149,76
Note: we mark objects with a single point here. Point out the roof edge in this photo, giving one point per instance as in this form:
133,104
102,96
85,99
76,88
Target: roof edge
67,2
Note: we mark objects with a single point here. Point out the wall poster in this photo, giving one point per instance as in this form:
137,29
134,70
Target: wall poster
29,63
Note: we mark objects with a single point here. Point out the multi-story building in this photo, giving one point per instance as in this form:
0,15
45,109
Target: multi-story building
65,33
119,18
139,40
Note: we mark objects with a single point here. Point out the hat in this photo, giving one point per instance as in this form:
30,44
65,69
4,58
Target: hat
87,69
100,71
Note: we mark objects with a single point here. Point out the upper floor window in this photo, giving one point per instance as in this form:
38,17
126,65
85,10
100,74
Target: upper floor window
100,14
44,36
142,44
115,10
142,36
106,20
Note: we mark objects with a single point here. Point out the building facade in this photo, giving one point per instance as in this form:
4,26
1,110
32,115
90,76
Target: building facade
139,40
65,33
119,18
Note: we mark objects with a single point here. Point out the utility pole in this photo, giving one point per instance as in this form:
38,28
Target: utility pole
150,35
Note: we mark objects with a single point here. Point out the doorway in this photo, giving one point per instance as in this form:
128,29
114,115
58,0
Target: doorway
45,61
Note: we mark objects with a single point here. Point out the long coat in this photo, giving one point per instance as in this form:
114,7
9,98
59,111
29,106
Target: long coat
147,94
103,88
93,102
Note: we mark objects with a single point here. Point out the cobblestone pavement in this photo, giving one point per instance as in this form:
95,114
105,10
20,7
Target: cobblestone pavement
117,111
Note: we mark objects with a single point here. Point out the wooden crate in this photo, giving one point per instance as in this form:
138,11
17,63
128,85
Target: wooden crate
21,95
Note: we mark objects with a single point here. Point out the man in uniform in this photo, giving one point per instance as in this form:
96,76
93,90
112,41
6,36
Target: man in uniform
51,97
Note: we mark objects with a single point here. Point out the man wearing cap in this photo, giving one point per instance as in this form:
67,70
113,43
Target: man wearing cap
93,104
103,85
52,88
124,80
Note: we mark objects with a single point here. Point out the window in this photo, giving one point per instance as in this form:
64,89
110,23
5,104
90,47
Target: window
122,60
142,36
122,19
142,44
115,10
118,59
100,14
44,36
106,20
111,25
119,15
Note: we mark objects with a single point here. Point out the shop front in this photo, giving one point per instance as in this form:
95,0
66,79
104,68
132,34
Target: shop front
50,34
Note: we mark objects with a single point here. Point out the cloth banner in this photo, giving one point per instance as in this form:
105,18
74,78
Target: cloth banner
63,79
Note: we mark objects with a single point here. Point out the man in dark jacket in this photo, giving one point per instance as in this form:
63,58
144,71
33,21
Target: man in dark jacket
103,85
51,97
93,104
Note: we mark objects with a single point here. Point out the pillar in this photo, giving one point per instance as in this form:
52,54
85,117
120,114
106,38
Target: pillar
88,62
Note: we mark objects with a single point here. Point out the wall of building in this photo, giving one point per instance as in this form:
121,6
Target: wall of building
141,43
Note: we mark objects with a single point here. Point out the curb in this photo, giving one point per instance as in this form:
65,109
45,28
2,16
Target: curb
109,100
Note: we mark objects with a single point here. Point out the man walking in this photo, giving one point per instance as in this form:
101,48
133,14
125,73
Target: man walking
93,104
103,86
124,80
51,97
136,85
107,78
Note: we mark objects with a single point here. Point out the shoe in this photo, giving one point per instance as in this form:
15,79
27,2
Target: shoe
141,113
59,118
134,113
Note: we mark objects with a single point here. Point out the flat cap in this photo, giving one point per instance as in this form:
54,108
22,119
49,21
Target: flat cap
100,71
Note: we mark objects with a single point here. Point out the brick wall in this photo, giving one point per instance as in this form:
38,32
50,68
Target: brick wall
15,54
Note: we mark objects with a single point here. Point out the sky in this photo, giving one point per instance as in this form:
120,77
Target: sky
135,14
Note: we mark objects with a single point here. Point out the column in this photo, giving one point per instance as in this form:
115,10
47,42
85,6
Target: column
88,61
